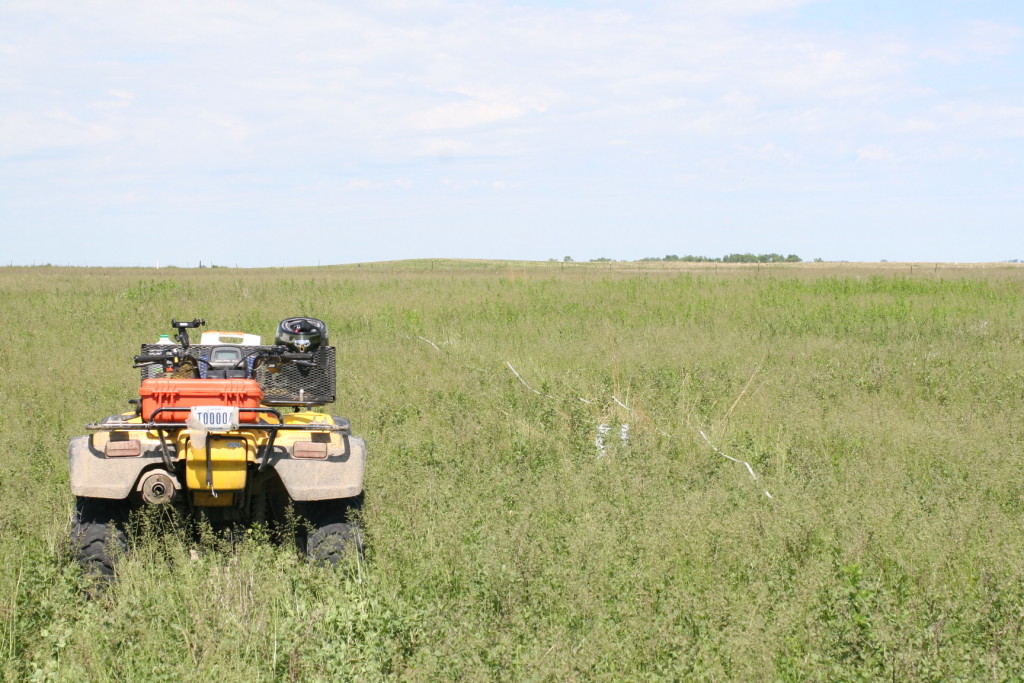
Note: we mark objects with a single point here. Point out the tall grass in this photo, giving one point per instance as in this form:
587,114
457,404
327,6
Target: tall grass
880,407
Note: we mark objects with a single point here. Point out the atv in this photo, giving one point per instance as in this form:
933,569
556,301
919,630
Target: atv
211,437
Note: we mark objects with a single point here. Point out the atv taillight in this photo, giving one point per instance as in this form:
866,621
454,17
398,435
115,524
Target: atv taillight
123,449
309,450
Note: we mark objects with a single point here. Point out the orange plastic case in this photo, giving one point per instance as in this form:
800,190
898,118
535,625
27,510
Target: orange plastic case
185,393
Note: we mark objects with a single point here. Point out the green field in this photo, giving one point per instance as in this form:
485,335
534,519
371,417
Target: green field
880,406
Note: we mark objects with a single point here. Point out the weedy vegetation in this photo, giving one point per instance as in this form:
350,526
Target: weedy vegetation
881,407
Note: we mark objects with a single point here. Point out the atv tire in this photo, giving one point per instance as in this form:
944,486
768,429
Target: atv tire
333,530
98,534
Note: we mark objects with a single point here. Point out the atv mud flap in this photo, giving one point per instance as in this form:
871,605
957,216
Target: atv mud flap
338,476
94,475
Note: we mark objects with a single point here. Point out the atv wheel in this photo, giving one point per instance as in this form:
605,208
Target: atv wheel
332,529
97,534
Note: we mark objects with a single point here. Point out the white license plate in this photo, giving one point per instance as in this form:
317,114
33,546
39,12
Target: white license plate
216,418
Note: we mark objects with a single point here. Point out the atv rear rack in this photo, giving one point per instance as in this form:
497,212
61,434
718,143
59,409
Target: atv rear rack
273,428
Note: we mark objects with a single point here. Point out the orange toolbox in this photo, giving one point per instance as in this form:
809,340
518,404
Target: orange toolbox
185,393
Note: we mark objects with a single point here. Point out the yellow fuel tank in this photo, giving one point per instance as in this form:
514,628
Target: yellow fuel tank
229,458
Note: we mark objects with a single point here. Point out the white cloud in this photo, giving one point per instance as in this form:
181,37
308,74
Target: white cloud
738,99
25,133
476,184
988,119
875,153
977,39
249,101
770,152
474,112
735,7
443,147
917,125
383,80
362,185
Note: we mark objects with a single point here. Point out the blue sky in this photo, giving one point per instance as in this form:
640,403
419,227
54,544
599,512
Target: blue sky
266,134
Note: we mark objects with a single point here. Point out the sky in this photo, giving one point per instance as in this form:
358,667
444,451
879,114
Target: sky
313,132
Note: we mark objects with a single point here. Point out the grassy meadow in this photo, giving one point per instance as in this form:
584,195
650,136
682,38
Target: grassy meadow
882,407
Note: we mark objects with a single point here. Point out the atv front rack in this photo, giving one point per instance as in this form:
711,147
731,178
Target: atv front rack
270,427
288,384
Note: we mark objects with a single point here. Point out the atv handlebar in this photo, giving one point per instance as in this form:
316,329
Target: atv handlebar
158,358
175,355
274,354
295,356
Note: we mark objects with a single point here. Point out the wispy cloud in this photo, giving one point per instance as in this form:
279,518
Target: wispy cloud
977,40
252,101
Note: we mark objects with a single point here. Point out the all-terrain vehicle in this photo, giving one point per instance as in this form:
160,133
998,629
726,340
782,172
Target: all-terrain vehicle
211,435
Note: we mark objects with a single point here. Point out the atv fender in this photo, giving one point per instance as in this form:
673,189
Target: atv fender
339,476
95,476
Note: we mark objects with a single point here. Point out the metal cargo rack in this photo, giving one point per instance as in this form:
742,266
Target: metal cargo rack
291,385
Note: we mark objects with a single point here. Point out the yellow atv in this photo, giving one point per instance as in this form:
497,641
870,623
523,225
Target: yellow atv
211,436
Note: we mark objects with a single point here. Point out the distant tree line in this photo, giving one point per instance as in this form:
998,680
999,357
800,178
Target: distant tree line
730,258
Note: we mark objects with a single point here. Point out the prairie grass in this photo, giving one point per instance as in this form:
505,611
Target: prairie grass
878,404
